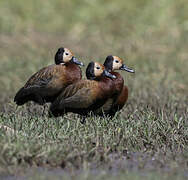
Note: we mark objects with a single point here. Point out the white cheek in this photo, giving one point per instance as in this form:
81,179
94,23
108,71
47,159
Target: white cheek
65,58
115,66
97,72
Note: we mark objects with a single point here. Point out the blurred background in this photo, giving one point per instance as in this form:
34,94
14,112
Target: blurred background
151,36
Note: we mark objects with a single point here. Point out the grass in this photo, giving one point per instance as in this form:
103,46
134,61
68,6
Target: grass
148,139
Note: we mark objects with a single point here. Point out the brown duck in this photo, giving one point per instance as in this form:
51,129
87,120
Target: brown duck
120,96
47,83
86,95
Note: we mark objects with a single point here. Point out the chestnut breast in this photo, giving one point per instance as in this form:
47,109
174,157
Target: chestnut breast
122,98
65,75
118,82
116,87
106,87
72,73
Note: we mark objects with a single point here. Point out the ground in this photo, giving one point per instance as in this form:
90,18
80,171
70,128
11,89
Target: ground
148,139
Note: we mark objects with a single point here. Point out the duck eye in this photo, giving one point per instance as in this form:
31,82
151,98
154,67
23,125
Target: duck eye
67,54
116,61
97,67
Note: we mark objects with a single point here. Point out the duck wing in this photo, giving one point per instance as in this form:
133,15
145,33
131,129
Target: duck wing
77,96
42,77
42,83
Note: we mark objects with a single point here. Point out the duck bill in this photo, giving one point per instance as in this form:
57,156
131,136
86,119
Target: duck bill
75,60
108,74
125,68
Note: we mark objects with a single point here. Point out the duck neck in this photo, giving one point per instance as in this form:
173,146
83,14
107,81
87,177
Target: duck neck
108,69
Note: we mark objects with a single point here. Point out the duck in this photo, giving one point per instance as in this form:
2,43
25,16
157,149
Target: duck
46,84
118,99
86,95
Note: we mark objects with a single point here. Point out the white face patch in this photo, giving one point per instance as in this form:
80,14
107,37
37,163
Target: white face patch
117,63
67,55
98,69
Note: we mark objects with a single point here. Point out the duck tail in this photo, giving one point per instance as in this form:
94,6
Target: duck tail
22,96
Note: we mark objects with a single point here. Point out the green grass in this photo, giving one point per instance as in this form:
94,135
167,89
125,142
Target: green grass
149,136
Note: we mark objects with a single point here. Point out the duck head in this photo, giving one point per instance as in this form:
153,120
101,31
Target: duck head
95,70
115,63
64,55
